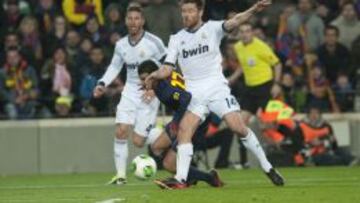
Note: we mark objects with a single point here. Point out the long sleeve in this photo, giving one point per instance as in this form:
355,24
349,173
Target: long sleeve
114,68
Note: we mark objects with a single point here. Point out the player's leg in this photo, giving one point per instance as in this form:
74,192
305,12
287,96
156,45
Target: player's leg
249,139
125,118
246,115
121,152
169,163
248,108
226,107
145,121
187,128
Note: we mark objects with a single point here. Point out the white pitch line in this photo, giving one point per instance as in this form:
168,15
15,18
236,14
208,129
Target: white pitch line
62,199
112,200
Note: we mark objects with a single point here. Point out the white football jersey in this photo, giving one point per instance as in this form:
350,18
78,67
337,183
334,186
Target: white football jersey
131,56
198,53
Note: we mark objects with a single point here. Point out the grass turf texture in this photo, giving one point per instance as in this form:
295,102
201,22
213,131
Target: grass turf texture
332,184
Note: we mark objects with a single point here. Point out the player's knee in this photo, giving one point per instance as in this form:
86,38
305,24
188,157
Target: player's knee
240,129
236,124
121,132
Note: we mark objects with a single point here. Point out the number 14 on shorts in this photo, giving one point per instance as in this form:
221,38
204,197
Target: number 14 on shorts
231,101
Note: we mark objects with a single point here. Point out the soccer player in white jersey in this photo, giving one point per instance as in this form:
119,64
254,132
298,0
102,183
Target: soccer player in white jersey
196,49
137,108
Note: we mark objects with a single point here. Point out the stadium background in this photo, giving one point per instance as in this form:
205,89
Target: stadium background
77,37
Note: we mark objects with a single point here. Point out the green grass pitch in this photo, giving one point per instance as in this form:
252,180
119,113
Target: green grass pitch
332,184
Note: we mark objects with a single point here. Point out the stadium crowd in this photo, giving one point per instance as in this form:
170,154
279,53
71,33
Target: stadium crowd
53,52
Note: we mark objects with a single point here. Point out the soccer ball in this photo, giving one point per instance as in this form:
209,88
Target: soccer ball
143,167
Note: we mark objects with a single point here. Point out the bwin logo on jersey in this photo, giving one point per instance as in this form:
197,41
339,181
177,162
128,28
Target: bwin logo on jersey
193,52
132,66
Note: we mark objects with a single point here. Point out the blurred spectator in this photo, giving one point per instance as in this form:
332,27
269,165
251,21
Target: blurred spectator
12,15
18,86
30,38
348,24
143,3
12,41
323,148
115,19
305,22
25,7
282,133
73,40
293,95
290,48
78,11
92,74
94,31
63,105
83,58
45,12
113,38
333,56
320,94
327,9
344,93
355,58
218,9
162,19
56,78
56,37
260,33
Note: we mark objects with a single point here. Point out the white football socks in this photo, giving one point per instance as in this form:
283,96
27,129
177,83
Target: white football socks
184,156
120,155
252,143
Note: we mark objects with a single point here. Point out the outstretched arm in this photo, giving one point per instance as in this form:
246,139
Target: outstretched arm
242,17
162,73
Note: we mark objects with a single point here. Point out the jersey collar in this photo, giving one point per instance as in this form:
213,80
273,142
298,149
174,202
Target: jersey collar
134,44
193,31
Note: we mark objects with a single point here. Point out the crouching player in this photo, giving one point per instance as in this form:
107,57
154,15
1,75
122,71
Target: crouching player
171,92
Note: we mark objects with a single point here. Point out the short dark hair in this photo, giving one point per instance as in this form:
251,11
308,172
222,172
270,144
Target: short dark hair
134,7
147,66
331,27
199,3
